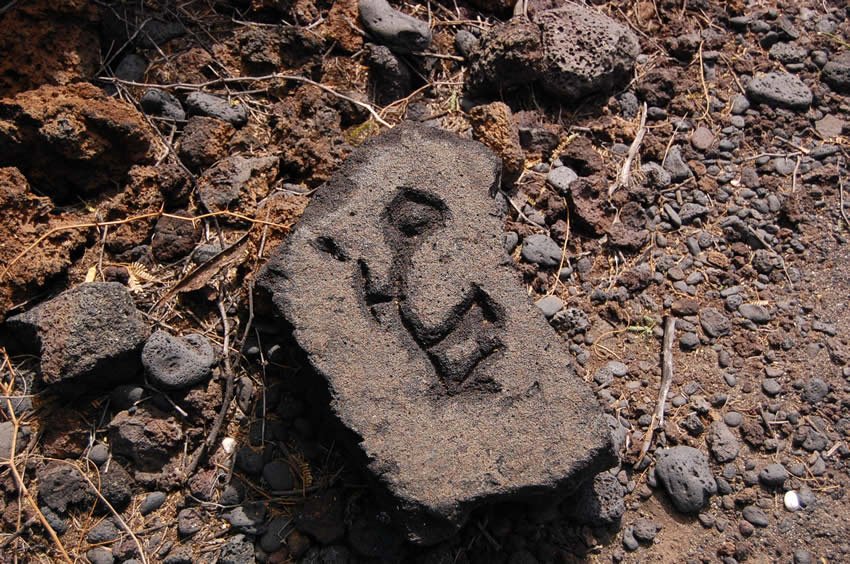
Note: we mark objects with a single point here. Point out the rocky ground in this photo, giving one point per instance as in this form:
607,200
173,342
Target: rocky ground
672,172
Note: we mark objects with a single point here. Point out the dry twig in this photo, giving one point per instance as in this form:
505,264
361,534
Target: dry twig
625,177
666,380
19,481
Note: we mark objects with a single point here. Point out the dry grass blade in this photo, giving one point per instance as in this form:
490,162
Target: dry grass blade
99,224
625,177
8,392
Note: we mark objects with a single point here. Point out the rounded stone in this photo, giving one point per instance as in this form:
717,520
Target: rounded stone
177,362
541,250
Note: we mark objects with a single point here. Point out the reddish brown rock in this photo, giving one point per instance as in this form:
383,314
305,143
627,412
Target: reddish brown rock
72,141
47,42
26,266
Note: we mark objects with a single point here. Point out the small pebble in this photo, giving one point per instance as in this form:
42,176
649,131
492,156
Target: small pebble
792,501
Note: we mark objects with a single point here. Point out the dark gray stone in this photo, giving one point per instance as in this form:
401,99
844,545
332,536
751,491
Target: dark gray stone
550,305
465,42
389,76
755,313
398,31
132,67
92,332
278,475
755,516
275,533
152,502
684,473
585,51
420,330
203,104
815,391
100,555
174,363
103,532
773,475
676,166
248,517
714,323
780,90
238,550
99,453
116,485
161,103
228,183
61,485
541,249
189,521
645,530
598,503
836,72
561,177
722,442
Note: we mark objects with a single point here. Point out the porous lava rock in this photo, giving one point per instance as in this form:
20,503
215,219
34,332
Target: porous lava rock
453,388
572,50
92,332
89,139
47,42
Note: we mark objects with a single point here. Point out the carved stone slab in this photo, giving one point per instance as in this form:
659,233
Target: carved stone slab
400,292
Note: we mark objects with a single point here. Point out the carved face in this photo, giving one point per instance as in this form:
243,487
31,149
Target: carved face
462,331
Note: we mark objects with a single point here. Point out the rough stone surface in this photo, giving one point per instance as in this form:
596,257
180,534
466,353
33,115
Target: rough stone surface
204,141
836,72
585,51
92,332
493,125
61,485
508,56
177,362
389,77
47,42
421,320
147,436
597,503
237,183
398,31
780,90
686,476
89,139
203,104
722,442
573,51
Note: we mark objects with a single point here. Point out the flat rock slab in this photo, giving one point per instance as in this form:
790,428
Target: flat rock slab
401,294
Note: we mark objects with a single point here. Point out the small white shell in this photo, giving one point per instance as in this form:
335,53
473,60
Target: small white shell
792,501
228,444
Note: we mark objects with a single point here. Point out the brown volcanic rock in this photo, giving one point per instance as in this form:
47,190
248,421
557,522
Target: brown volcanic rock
400,293
26,217
72,140
48,42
